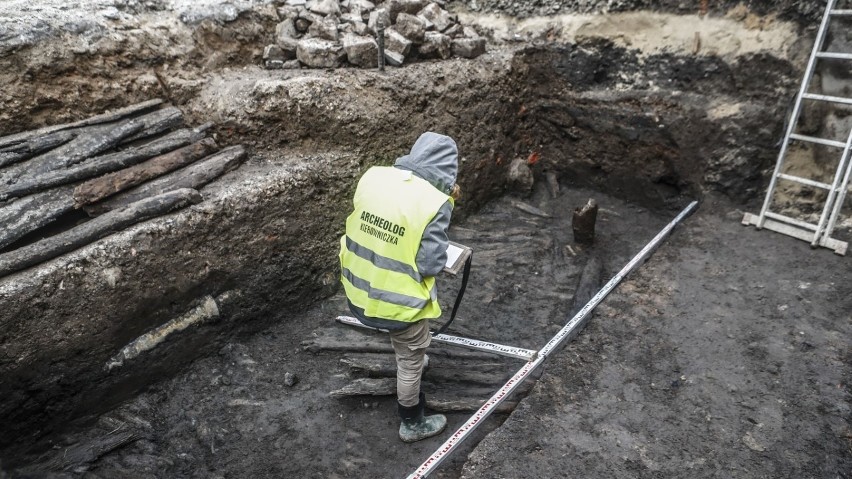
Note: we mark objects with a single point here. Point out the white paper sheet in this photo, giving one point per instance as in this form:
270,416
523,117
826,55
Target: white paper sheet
453,253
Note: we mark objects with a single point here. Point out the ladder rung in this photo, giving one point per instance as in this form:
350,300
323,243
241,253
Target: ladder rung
792,221
842,13
834,55
821,141
835,99
805,181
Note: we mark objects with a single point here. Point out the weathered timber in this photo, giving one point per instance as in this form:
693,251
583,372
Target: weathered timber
193,176
91,141
157,122
95,229
385,366
112,183
110,116
78,456
591,280
583,222
367,387
102,164
357,340
528,208
30,213
552,184
28,149
466,405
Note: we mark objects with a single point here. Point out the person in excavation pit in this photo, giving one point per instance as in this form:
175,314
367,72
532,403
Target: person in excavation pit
395,244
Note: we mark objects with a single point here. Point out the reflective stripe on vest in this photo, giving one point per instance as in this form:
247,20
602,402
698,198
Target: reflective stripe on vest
378,252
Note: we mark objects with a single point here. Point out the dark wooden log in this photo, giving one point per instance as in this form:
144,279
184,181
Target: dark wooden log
110,184
194,176
583,222
91,141
552,184
30,213
367,387
101,164
157,122
95,229
110,116
446,371
28,149
528,208
466,405
591,280
78,456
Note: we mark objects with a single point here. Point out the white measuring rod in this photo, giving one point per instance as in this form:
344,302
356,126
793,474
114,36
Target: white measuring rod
479,416
474,344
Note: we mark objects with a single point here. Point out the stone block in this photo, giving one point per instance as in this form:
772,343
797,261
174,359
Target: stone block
302,24
324,7
361,51
469,32
395,42
411,27
394,59
363,5
287,38
468,47
317,53
291,65
455,31
436,45
325,29
412,6
437,15
376,15
360,28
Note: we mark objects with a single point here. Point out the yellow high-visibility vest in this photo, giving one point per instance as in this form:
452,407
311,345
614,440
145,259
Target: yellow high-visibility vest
378,251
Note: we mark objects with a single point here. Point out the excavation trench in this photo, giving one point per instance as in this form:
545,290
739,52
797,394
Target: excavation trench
242,390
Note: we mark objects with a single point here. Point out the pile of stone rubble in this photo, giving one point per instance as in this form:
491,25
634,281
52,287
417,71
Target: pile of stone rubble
330,33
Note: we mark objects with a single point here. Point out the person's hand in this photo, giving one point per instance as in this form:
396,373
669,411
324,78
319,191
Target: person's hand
456,192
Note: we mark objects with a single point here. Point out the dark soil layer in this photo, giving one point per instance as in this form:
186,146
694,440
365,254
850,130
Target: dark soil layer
726,355
231,414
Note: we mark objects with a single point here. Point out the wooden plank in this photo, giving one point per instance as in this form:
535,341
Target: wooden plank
39,144
110,116
28,214
101,164
112,183
193,176
95,229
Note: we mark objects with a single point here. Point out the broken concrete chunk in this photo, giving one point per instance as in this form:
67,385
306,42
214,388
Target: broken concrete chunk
351,18
436,45
376,15
520,176
394,59
318,53
291,65
361,51
468,47
437,15
324,7
412,6
469,32
325,29
395,42
411,27
295,3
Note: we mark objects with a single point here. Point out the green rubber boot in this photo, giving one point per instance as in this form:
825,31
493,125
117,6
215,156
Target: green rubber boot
416,426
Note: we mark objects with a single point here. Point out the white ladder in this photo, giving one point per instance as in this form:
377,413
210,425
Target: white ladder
817,234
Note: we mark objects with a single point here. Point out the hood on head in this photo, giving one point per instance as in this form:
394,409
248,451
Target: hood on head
434,158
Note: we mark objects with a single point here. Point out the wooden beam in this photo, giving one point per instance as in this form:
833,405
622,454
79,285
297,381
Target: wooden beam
112,183
25,215
95,229
195,176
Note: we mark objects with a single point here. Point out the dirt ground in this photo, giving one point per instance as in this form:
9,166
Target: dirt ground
725,355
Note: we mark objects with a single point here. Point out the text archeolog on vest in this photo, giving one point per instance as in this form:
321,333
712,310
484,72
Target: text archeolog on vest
390,228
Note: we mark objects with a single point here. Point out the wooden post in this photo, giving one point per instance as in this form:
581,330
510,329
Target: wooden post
583,222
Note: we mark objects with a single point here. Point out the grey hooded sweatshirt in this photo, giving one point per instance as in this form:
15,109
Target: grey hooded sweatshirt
433,158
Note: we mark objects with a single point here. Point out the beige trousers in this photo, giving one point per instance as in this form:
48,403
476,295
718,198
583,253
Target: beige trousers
410,346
